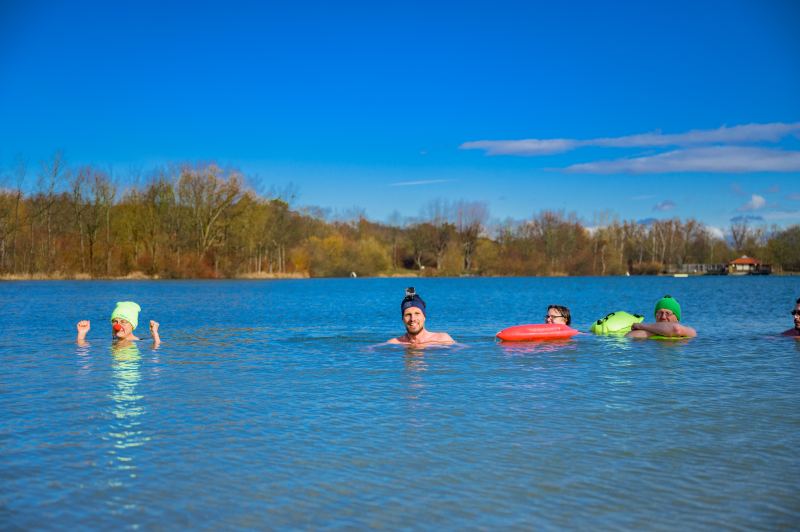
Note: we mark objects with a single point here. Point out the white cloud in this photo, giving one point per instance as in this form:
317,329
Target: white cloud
665,205
793,196
528,147
746,134
417,183
710,159
743,134
756,202
716,232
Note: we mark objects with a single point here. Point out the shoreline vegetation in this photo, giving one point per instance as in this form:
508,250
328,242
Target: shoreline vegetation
203,222
138,276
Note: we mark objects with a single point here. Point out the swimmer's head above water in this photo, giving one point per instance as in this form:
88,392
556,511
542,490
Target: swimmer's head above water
667,309
412,311
124,320
412,299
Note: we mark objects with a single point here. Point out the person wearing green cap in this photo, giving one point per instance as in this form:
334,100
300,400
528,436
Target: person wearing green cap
124,320
668,316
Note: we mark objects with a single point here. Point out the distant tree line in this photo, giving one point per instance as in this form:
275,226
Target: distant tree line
201,221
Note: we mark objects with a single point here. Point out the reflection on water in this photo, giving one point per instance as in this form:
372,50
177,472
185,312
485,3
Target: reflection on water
414,360
540,347
125,430
415,365
83,359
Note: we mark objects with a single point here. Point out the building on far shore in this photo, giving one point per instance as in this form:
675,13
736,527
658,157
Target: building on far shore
745,265
698,269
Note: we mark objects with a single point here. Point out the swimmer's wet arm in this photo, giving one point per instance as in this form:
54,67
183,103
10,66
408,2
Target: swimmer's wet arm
83,328
662,329
154,333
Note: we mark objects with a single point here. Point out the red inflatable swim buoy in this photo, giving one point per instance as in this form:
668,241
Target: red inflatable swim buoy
537,331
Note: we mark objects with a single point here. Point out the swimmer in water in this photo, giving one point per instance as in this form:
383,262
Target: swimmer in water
412,310
124,320
668,314
557,314
795,331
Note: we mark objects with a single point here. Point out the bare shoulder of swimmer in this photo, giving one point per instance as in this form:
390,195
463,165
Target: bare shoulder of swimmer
442,338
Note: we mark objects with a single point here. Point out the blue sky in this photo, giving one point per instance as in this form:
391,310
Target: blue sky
638,110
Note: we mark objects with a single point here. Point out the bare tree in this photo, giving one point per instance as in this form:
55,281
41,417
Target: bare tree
421,236
52,172
10,201
470,217
438,212
740,228
92,196
208,193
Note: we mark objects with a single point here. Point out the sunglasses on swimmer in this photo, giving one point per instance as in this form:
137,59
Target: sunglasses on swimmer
795,312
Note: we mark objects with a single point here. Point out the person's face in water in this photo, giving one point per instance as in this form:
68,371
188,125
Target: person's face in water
796,316
414,320
664,314
554,316
121,329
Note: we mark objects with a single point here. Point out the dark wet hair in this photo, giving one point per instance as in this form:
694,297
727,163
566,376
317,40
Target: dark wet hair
564,311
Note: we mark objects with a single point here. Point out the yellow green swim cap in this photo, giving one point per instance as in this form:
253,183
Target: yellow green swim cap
128,311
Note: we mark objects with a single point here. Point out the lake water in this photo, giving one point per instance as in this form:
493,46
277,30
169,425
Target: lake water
268,405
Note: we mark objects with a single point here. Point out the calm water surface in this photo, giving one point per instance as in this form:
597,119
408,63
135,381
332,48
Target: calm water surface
269,406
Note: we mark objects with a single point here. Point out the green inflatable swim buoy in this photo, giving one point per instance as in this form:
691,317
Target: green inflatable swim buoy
616,323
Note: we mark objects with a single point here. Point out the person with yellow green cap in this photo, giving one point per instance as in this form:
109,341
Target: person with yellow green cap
668,316
124,320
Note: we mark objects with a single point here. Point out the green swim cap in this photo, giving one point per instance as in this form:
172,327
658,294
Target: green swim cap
669,303
128,311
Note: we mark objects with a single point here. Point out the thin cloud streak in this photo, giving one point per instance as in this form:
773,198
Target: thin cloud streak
528,147
666,205
418,183
731,159
743,134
